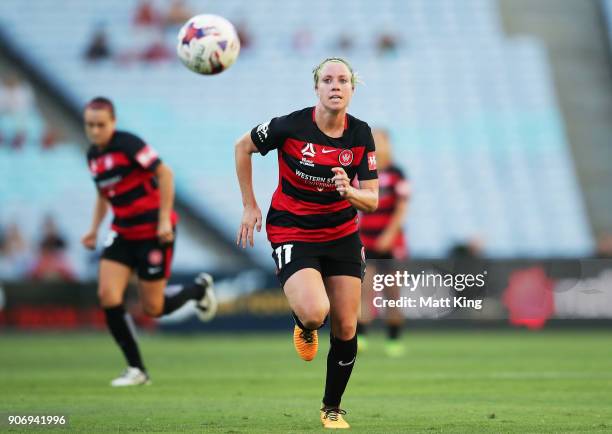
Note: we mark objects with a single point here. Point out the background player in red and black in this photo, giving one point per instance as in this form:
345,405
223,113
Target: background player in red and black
140,189
312,220
383,237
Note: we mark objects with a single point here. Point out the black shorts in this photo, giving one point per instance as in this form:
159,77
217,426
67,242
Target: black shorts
341,257
150,258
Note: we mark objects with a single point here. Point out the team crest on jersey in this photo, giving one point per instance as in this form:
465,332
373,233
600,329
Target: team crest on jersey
346,157
309,150
155,257
108,162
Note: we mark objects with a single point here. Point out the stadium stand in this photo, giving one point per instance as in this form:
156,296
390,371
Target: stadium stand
473,114
56,182
607,8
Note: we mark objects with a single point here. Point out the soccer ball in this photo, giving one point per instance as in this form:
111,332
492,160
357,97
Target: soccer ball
208,44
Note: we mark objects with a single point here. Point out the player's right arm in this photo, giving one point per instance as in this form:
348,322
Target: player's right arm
261,139
100,209
251,216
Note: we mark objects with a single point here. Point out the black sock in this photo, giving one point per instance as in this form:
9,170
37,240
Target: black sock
120,326
186,293
340,362
362,329
393,331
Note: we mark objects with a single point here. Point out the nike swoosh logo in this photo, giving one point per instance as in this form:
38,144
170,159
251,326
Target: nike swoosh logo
327,151
341,363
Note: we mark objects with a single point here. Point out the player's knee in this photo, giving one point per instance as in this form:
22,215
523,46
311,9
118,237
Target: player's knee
345,330
312,317
108,298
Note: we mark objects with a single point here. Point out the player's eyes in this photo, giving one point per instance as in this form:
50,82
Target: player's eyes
328,80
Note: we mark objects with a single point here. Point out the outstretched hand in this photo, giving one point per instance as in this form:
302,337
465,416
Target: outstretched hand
251,219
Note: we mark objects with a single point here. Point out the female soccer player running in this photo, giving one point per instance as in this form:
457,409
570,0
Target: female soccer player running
384,241
312,220
140,188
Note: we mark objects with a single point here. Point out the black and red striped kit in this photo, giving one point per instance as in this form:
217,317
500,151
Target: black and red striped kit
306,211
124,174
393,188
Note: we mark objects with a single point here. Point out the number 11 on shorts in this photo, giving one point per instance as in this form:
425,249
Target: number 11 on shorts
286,249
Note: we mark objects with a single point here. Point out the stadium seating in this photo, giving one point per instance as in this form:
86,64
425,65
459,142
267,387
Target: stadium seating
473,114
56,182
607,9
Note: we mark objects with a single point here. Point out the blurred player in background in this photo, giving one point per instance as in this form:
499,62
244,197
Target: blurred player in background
140,189
312,220
383,238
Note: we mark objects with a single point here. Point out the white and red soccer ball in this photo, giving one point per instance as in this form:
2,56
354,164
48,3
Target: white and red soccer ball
208,44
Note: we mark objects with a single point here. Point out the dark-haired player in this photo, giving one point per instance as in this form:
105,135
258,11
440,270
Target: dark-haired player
383,239
140,189
312,220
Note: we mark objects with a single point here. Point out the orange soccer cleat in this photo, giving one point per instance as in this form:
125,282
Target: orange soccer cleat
331,418
306,343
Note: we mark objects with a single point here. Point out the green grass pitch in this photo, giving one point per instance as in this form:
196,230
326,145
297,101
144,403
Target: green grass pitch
494,381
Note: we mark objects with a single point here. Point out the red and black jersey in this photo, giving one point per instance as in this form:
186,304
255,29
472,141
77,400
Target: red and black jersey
393,187
124,173
306,206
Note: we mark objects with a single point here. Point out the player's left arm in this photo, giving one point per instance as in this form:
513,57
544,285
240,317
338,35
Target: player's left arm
165,179
147,158
364,198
